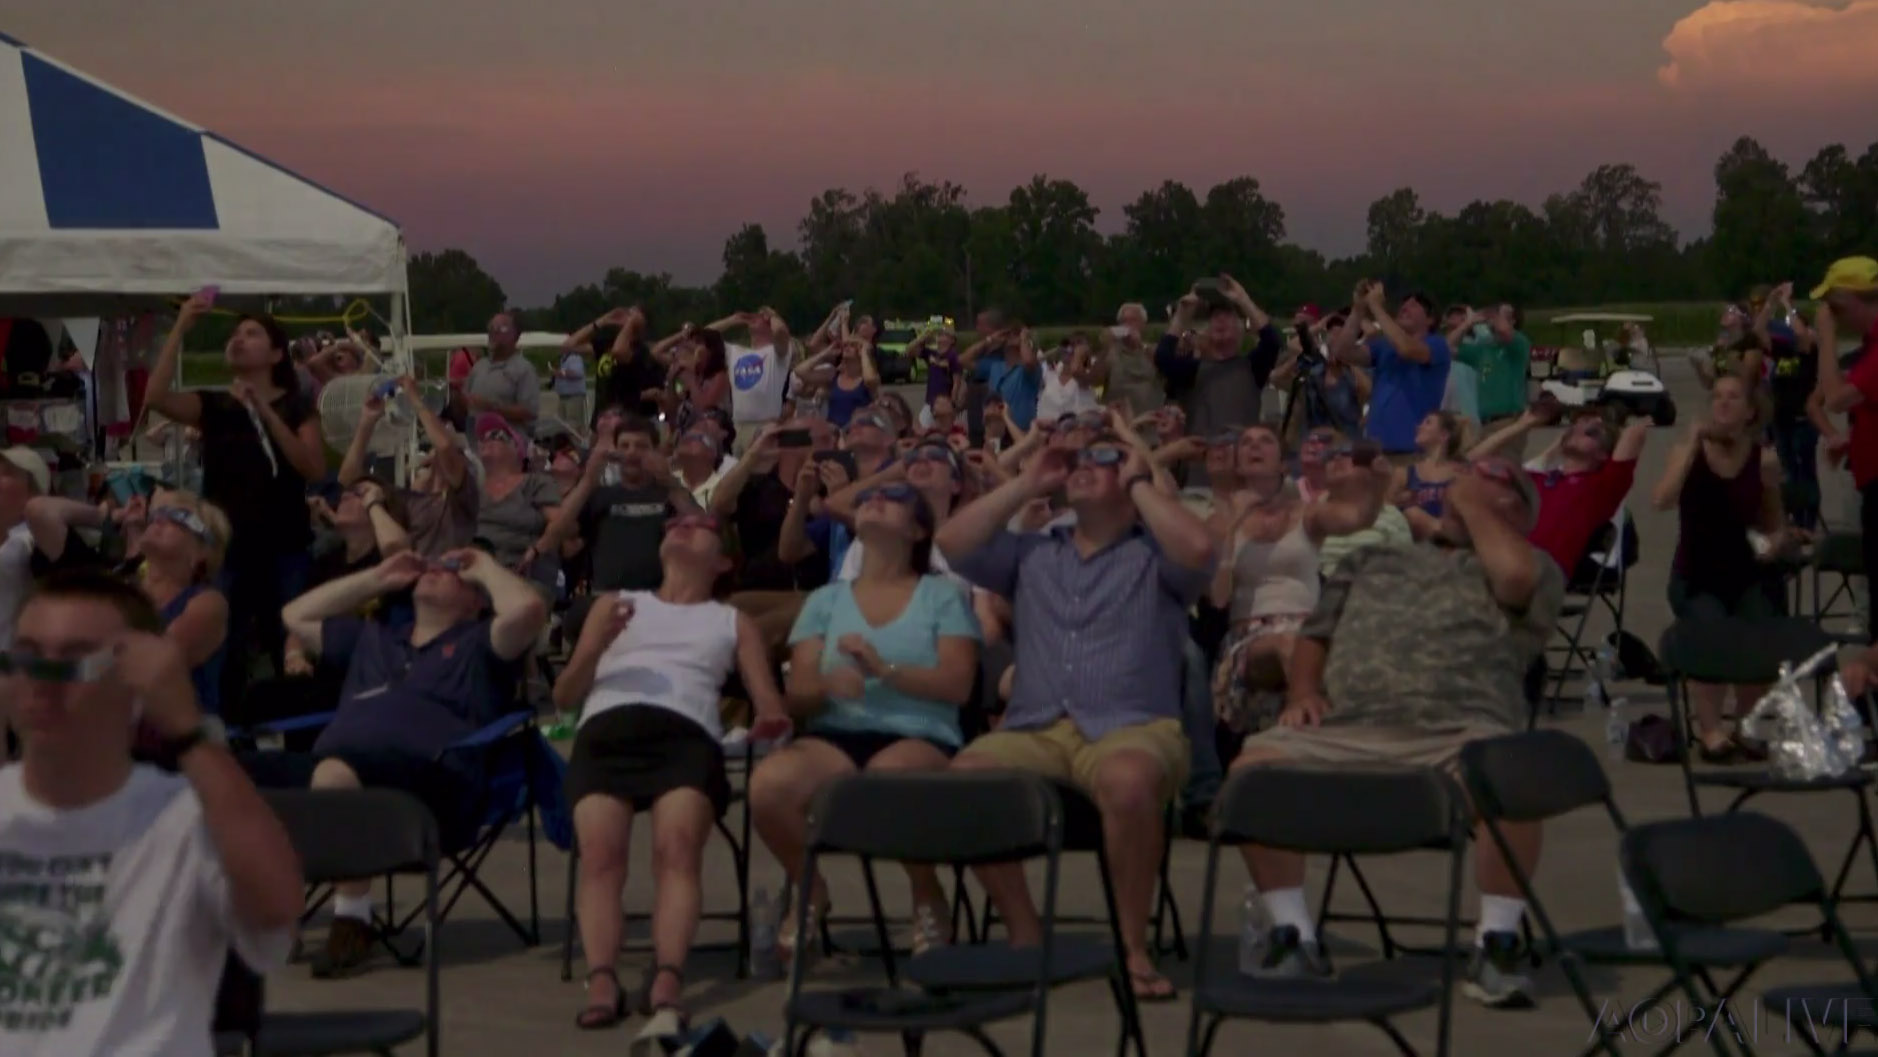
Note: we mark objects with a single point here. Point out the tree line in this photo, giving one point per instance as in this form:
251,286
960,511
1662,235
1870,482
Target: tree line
921,248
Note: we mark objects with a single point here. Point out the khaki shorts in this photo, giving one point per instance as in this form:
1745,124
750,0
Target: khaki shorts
747,432
1355,746
1060,751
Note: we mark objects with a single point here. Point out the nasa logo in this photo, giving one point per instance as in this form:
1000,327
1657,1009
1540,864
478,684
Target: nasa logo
747,372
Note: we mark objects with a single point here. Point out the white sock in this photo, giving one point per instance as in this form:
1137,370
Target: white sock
358,908
1287,907
1498,914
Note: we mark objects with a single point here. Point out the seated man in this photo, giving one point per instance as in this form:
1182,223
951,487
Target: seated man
1101,619
1581,481
408,694
1415,650
122,886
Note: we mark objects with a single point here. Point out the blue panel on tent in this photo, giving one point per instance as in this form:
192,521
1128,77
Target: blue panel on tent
105,162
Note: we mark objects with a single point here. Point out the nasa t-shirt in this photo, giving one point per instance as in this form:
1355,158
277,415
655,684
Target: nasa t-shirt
115,920
758,379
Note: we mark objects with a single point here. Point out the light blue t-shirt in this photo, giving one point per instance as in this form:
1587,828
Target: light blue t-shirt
937,609
1404,392
1018,386
574,364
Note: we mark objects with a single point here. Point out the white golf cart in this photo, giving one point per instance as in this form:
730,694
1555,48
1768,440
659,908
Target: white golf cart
1622,374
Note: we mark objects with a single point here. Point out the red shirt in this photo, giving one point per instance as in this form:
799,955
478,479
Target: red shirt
1573,506
1862,452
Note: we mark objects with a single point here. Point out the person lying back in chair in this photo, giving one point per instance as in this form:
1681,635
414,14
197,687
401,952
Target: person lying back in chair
1415,650
409,694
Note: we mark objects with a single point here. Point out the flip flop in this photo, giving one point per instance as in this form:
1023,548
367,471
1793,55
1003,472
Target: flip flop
1151,987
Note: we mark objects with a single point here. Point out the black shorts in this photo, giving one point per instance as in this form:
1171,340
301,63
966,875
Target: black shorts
638,753
449,794
863,745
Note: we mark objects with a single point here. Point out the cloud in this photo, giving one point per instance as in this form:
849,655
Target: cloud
1781,48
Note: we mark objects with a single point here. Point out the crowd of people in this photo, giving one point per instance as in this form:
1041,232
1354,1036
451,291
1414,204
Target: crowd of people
1101,562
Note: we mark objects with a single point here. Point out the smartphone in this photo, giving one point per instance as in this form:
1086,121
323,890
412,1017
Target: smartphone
794,438
385,389
209,293
1119,331
845,459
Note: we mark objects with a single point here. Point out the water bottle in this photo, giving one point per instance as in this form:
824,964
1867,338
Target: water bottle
763,961
1637,934
1254,925
1617,727
835,1042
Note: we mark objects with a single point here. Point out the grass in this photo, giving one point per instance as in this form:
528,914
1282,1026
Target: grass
1677,323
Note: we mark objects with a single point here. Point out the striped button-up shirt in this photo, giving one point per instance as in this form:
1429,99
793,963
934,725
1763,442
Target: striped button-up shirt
1098,639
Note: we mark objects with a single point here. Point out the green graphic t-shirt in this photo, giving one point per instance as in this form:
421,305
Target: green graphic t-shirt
115,920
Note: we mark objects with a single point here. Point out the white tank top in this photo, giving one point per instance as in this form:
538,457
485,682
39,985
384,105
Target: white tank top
672,657
1275,579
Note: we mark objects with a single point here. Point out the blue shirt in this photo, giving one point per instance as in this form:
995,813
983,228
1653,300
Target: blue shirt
207,676
1403,392
832,538
1017,385
938,609
413,700
1098,639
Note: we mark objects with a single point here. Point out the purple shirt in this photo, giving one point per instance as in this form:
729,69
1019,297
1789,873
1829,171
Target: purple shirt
1098,639
941,368
414,701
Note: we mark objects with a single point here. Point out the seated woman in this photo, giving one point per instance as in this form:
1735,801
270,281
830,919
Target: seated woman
174,546
1419,486
881,664
1268,579
645,675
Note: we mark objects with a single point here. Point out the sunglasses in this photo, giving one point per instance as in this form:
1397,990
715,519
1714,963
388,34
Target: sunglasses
445,565
698,438
502,435
1319,438
90,668
928,452
869,420
692,521
1223,440
187,520
1104,457
898,492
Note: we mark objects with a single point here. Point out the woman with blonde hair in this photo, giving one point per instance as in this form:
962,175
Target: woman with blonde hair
1421,486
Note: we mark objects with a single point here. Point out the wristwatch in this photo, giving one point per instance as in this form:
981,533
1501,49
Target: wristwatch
178,747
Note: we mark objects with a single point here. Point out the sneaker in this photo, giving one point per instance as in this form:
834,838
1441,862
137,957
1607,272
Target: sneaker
928,931
1288,956
348,947
1495,976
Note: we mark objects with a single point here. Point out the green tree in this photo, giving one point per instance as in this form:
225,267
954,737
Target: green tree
1761,225
451,294
1055,243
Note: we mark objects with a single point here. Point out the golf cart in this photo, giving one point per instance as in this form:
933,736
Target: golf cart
895,336
1622,375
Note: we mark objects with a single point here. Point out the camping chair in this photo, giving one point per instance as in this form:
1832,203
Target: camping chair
339,835
982,968
1601,580
1329,812
1841,555
1694,874
521,773
1543,775
738,764
1749,652
990,817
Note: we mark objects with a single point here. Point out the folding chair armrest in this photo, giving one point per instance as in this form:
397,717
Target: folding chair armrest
489,735
310,721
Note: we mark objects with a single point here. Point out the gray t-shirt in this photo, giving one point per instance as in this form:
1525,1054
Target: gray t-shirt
1132,377
510,382
1226,395
514,522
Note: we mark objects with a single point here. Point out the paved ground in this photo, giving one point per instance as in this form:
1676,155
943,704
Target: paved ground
502,999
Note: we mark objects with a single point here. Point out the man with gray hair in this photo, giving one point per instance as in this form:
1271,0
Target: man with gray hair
1132,378
1414,651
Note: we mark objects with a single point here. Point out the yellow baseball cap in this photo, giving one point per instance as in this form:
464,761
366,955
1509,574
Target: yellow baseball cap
1857,274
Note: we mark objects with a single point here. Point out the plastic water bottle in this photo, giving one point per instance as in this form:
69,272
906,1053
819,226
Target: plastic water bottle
1617,727
1637,934
1254,925
763,961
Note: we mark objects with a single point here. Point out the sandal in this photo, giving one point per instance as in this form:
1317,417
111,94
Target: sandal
1151,987
600,1016
786,934
643,997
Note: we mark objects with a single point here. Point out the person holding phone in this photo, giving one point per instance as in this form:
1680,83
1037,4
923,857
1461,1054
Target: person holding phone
1491,343
1220,386
759,371
620,525
1007,364
1407,359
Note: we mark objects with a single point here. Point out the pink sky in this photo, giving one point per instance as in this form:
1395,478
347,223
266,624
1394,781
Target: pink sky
555,138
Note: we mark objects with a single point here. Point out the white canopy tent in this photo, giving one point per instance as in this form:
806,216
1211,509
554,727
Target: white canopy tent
104,198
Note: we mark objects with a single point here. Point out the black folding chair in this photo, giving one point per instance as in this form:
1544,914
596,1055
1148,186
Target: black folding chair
1600,581
738,766
990,968
1699,873
989,817
344,835
1335,812
1840,555
1750,652
1542,775
238,1002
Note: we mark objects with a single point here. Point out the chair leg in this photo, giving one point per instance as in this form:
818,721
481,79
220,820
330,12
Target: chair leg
567,939
984,1041
1395,1036
1206,1038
